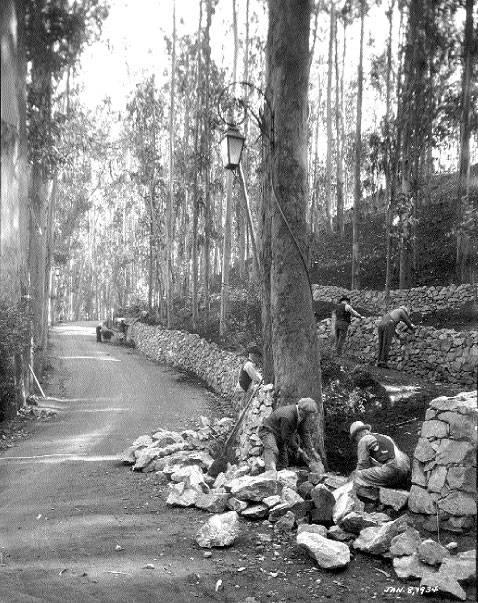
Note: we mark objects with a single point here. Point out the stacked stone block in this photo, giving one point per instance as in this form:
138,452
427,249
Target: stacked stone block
444,464
418,299
249,443
218,368
437,354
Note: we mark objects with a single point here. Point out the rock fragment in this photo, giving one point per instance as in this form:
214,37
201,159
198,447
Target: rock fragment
327,553
219,530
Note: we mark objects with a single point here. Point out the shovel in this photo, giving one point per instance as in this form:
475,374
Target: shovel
220,464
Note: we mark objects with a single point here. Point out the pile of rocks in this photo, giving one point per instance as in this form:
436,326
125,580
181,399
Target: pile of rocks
419,299
444,465
168,451
438,354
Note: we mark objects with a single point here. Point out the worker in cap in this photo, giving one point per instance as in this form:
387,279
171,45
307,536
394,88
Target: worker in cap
379,460
387,331
287,434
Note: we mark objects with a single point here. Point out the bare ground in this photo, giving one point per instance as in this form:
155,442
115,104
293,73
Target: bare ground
77,526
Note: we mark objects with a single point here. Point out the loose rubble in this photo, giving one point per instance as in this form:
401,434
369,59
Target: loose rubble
322,511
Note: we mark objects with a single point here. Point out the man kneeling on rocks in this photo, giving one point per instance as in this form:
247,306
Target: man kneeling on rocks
283,429
379,461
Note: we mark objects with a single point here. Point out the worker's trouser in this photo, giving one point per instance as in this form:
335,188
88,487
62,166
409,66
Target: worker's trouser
341,328
274,456
392,473
386,333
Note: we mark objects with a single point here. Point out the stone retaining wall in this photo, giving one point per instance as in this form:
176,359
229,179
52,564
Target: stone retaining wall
420,299
437,354
218,368
444,464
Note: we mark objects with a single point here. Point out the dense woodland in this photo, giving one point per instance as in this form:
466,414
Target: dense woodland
359,150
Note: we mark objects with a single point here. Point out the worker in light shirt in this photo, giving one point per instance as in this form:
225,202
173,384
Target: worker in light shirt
379,460
250,374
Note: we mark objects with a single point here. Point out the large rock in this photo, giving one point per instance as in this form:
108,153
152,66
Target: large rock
327,553
290,496
324,502
258,511
453,452
460,477
236,505
437,478
421,501
397,499
461,426
355,522
219,530
462,567
405,543
458,503
376,541
285,524
410,567
464,403
128,457
181,495
286,477
312,528
144,458
346,501
142,442
214,502
434,429
424,452
255,488
191,474
443,584
431,552
272,501
174,461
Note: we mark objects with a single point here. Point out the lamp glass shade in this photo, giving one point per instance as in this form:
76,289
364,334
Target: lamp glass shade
231,147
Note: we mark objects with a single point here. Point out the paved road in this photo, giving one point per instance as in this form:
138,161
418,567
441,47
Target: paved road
66,501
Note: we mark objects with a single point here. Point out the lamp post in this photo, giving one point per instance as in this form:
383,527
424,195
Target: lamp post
232,146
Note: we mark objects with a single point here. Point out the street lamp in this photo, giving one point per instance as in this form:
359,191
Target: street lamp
231,147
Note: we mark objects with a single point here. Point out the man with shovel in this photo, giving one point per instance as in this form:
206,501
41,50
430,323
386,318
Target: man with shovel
282,431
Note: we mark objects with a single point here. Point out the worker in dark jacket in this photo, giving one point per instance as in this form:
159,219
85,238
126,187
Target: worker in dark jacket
343,318
281,431
386,332
379,460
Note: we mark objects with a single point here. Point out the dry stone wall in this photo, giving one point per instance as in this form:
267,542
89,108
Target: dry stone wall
444,464
419,299
437,354
218,368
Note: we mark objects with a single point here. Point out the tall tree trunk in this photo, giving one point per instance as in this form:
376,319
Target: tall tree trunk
170,201
207,161
194,238
226,257
339,141
294,334
463,260
328,169
358,157
389,181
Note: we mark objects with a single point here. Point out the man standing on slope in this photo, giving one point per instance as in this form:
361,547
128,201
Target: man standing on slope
343,318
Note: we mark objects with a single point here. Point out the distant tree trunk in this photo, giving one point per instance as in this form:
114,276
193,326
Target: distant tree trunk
194,238
339,140
463,259
328,169
294,334
389,181
226,256
358,157
207,162
170,202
